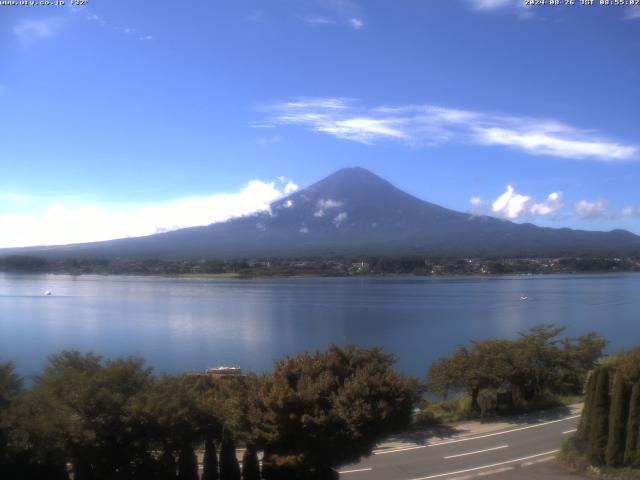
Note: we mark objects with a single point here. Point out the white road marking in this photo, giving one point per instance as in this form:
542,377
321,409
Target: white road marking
477,451
496,471
355,471
483,467
504,432
533,462
402,449
466,439
570,431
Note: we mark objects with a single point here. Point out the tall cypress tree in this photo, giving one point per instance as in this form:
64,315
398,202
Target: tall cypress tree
82,469
589,394
229,467
187,464
632,447
210,471
250,465
167,465
599,427
617,422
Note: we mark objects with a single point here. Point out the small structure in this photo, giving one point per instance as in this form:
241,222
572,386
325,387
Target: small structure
217,373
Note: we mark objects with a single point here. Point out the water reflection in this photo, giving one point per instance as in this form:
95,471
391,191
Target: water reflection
183,325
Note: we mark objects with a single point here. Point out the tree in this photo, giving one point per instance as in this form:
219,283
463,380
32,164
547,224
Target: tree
10,386
632,446
167,466
489,365
347,398
187,463
210,467
617,422
250,465
229,468
599,428
448,374
589,394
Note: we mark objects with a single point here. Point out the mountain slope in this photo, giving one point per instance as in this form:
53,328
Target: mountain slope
354,212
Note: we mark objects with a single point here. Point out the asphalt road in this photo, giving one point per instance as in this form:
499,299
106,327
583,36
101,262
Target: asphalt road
521,451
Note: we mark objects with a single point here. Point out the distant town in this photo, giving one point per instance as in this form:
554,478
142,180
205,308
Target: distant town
338,266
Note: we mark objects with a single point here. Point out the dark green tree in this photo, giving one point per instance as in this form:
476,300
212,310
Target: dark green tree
348,398
582,354
599,429
187,463
250,465
617,422
632,446
167,465
589,394
448,374
210,467
229,467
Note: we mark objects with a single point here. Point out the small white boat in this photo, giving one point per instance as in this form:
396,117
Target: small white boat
47,293
523,298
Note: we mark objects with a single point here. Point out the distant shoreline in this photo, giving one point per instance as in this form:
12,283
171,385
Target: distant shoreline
355,266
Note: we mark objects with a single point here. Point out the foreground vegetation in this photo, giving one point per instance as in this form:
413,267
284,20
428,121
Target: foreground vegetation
115,420
103,420
537,370
338,266
608,437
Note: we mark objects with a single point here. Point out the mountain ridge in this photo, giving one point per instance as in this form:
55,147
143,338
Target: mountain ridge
353,212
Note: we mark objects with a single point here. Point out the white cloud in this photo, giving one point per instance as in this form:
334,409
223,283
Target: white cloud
510,204
491,4
551,205
427,125
519,7
591,210
326,204
631,212
29,31
339,219
634,12
269,140
542,143
318,20
63,223
290,187
356,23
478,206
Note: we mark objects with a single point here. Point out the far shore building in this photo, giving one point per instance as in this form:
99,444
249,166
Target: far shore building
217,373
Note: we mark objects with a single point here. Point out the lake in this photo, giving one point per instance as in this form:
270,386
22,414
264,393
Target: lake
189,324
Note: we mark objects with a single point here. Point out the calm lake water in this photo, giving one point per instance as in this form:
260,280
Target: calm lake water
186,324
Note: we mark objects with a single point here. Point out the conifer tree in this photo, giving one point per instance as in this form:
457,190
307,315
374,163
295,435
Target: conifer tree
250,465
210,467
589,394
599,427
632,447
167,465
187,464
229,467
617,422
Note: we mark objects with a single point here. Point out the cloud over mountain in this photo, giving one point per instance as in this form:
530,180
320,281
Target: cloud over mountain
428,125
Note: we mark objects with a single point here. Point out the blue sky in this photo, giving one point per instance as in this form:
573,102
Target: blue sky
124,118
